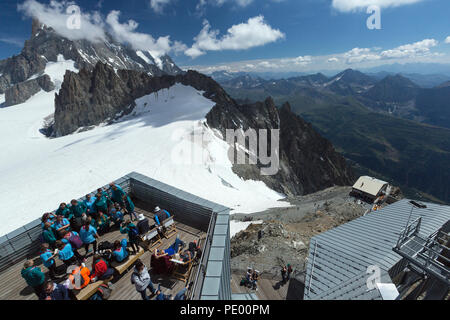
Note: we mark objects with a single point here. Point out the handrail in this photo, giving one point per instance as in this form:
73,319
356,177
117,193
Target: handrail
312,268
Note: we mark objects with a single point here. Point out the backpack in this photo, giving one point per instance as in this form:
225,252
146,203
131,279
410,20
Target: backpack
134,233
105,245
105,291
75,241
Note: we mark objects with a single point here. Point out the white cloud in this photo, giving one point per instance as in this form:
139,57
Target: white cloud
55,16
158,5
253,33
420,51
354,5
126,33
411,50
447,40
93,27
357,55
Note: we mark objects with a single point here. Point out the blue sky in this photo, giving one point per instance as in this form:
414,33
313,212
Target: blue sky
298,35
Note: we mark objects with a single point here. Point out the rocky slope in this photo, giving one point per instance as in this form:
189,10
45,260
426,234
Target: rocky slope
45,45
283,236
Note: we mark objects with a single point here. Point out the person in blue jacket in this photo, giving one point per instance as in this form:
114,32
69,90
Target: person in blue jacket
120,252
116,193
53,291
47,217
48,259
88,235
65,253
89,203
116,215
33,276
61,224
161,215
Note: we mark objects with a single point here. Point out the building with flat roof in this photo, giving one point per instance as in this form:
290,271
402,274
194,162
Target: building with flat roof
340,260
369,188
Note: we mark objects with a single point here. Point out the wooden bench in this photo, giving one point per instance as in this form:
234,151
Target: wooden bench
169,225
153,238
182,269
122,267
90,289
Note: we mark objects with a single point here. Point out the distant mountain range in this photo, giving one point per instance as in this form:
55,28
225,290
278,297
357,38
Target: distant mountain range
388,126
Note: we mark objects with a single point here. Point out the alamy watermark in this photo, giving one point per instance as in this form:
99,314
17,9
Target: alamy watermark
250,147
374,21
73,22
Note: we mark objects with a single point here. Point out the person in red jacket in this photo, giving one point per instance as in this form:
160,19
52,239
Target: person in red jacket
100,269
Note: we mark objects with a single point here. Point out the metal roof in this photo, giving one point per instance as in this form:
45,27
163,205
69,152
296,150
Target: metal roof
346,251
369,185
355,289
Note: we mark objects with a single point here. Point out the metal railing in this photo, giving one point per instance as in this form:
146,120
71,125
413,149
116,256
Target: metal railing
201,271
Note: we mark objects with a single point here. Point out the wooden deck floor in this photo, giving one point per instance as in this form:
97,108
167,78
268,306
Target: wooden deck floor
14,287
270,288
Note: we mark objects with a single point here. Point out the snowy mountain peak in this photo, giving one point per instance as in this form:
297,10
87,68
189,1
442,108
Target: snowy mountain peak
45,46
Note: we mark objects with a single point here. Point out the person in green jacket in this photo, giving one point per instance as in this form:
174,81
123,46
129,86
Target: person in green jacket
49,235
133,235
78,210
64,211
34,277
103,223
129,206
117,193
101,203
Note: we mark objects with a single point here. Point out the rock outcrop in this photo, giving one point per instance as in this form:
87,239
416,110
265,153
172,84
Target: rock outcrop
21,92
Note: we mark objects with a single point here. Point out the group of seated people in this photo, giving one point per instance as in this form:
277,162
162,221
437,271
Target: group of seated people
162,261
80,225
251,279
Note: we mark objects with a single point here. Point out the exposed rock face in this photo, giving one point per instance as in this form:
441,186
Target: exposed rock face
92,97
308,162
45,45
21,92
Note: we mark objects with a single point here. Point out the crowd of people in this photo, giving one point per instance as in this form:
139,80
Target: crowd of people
79,226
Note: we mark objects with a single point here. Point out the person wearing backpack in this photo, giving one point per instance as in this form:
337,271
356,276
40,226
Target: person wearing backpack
78,210
133,235
100,269
88,235
34,277
129,206
47,256
141,279
75,241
